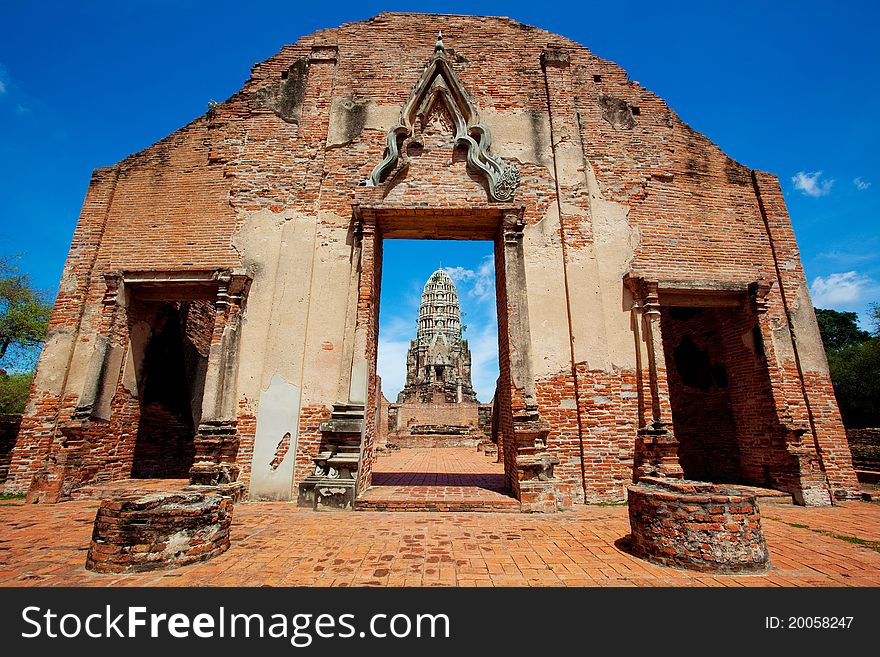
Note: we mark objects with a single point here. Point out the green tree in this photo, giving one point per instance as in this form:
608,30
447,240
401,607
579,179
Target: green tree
839,329
854,363
14,390
855,373
24,311
875,318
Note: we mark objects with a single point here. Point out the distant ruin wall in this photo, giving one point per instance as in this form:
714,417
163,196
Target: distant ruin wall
865,447
412,414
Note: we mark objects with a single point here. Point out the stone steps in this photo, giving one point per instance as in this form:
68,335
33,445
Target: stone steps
415,440
450,506
436,498
765,495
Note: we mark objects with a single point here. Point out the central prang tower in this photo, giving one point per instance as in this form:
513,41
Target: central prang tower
438,364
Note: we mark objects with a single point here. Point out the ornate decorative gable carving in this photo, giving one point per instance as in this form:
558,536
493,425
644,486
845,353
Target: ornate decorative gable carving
439,97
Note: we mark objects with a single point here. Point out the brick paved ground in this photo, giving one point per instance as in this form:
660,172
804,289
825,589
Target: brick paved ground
437,478
279,544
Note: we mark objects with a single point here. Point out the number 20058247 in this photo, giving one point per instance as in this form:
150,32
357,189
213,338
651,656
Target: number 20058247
808,622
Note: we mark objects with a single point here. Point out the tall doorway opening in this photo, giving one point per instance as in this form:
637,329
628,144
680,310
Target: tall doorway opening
170,343
436,442
720,392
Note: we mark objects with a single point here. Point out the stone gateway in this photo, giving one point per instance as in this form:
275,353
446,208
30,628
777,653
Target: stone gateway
217,318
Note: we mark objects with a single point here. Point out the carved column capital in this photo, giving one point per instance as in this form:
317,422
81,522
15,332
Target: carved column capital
364,221
224,280
646,294
113,282
758,293
651,299
512,225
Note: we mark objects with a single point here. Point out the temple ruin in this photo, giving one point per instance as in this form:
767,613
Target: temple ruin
217,318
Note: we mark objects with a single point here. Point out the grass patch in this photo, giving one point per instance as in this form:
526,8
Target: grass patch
621,503
12,496
855,540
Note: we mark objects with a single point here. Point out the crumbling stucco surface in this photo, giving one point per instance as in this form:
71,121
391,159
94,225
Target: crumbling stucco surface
278,416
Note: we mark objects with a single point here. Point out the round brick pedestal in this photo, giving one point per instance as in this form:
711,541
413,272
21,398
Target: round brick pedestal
696,525
159,531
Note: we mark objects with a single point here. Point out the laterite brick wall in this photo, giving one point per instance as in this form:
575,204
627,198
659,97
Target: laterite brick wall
613,183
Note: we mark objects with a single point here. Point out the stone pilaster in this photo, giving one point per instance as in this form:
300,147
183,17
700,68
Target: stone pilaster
216,440
656,450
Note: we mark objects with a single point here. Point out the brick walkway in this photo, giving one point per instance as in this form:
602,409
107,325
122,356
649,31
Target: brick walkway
443,478
279,544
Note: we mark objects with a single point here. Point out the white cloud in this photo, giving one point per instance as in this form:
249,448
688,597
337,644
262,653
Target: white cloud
812,184
2,87
841,290
460,274
478,284
861,184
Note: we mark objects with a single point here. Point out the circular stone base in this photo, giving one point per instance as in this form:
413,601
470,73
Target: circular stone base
159,531
696,525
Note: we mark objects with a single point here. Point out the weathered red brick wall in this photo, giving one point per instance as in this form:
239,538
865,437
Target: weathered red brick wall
764,460
247,430
724,418
814,396
309,441
505,393
158,531
698,526
301,136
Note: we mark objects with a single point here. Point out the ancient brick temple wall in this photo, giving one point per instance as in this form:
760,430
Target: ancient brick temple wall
164,445
484,418
763,458
414,413
383,419
613,183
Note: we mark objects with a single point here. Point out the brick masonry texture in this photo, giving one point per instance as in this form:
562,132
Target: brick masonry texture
696,526
865,447
279,545
265,190
158,531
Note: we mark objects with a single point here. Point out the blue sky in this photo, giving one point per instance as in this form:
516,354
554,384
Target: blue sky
786,87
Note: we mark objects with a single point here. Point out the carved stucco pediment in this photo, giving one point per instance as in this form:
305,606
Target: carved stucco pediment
440,96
